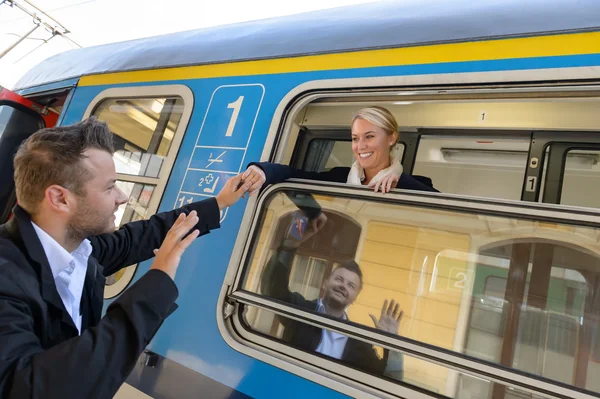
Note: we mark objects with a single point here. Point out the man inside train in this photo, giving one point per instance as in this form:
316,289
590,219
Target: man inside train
339,290
55,253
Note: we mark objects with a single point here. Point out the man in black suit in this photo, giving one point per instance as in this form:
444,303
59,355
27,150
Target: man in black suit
340,290
55,254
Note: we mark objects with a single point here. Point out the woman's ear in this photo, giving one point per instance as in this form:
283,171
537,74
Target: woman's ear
393,139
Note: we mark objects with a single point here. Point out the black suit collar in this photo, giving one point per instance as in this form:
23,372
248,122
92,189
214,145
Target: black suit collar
20,227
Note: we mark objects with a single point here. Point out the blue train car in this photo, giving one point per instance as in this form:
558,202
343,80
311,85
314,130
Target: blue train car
498,274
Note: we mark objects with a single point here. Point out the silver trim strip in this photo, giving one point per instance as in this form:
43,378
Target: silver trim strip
417,350
284,362
452,202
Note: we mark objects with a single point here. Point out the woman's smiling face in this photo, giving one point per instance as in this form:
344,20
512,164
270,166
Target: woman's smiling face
371,145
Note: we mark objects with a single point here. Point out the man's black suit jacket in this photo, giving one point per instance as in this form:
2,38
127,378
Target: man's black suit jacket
275,283
41,353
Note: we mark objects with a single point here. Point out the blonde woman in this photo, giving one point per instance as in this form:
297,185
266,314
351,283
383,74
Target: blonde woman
374,136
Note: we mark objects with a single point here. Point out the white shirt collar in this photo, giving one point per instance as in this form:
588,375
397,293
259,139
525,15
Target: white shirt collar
58,257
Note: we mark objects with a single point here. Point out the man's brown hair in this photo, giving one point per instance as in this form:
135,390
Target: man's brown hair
53,156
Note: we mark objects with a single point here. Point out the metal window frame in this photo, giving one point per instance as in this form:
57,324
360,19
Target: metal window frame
160,182
456,203
542,82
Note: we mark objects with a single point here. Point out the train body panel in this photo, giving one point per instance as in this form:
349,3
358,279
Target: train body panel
234,113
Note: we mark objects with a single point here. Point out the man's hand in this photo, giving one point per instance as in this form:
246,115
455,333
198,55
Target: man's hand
389,320
174,245
234,189
256,177
314,226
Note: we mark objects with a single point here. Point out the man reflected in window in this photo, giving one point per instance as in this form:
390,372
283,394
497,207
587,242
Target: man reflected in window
340,290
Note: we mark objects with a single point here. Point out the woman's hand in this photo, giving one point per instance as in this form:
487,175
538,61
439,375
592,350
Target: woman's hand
234,189
386,184
255,177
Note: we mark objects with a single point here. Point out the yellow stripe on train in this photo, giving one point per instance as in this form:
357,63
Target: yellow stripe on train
530,47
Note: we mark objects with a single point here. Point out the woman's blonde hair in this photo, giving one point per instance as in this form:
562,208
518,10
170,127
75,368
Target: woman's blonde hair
381,118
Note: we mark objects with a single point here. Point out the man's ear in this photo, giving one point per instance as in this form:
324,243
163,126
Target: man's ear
59,199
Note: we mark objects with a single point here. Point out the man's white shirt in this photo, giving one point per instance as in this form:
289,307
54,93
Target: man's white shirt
332,343
68,270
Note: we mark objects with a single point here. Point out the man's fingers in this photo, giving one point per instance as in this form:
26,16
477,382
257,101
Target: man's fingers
396,310
384,308
178,223
390,310
374,320
183,226
400,316
183,244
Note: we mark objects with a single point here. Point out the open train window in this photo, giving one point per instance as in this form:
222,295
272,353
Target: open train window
477,164
148,124
436,263
480,145
324,154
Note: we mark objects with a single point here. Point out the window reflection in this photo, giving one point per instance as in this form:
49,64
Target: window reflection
399,368
513,292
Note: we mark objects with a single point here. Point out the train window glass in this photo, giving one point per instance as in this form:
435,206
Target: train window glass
471,283
144,129
486,167
135,209
398,367
306,276
324,154
581,179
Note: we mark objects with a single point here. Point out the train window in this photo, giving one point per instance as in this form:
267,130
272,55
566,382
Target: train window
581,178
135,209
144,129
148,125
502,290
485,167
398,368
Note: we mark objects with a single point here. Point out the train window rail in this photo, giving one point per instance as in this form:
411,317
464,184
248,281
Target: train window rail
148,125
502,300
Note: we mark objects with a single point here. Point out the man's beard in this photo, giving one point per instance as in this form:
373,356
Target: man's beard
88,222
333,302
